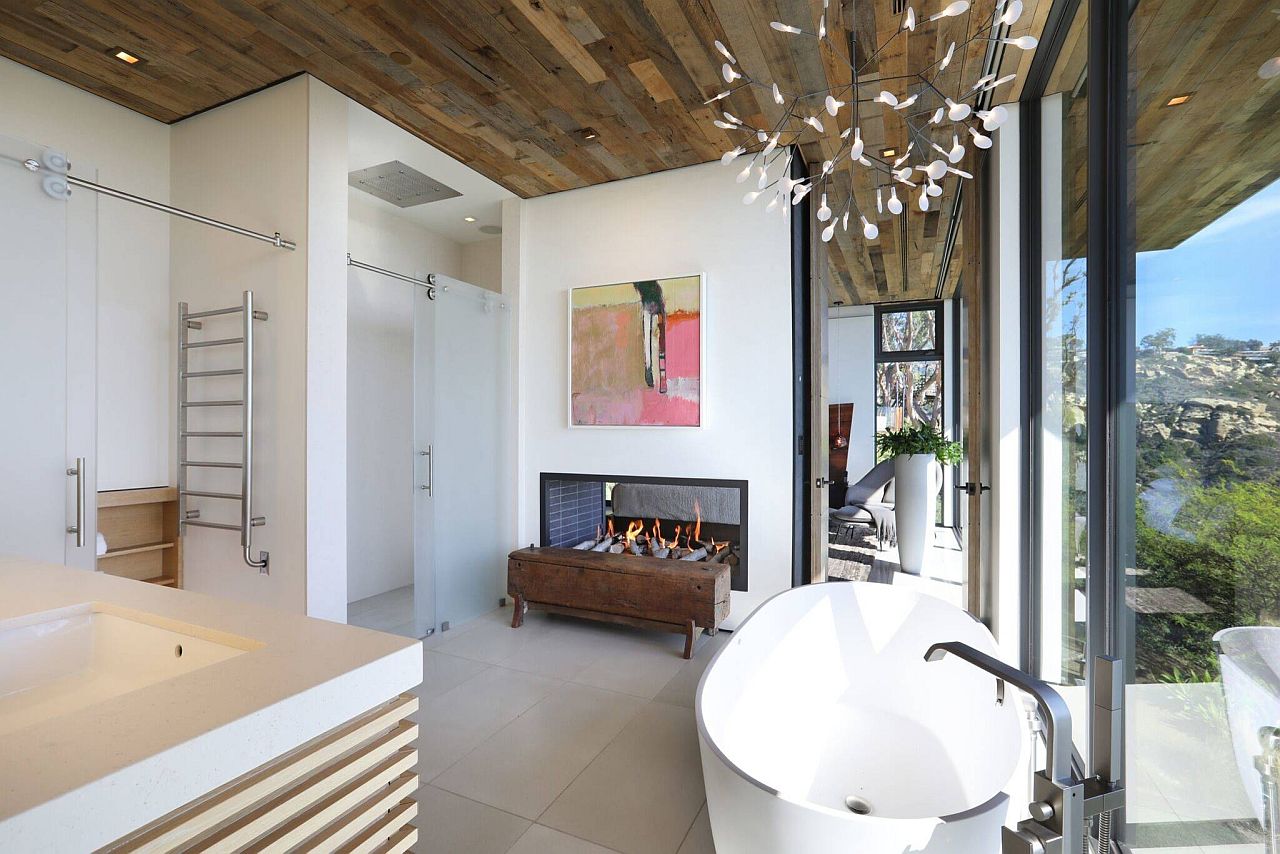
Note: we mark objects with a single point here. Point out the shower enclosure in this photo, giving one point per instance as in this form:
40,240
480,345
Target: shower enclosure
463,500
430,505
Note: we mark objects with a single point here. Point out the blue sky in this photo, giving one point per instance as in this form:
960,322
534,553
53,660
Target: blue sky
1223,279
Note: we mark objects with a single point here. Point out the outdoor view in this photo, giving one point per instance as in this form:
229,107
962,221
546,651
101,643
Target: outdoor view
1208,386
1206,520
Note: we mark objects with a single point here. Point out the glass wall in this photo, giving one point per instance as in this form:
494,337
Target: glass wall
1203,601
1061,283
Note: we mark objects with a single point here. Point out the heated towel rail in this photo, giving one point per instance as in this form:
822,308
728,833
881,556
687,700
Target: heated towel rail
193,320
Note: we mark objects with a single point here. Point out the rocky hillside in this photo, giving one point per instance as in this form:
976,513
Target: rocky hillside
1211,416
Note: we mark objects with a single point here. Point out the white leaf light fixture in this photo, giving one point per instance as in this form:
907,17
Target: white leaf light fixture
939,114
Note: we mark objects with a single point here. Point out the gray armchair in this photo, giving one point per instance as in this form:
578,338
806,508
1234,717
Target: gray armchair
870,501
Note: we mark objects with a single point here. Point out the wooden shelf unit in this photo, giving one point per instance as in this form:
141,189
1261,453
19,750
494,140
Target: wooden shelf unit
141,528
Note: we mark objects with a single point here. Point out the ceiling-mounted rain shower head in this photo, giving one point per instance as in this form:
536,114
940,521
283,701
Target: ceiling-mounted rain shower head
400,184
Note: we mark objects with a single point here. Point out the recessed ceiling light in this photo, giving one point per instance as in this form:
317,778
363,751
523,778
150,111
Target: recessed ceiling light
124,55
399,57
588,134
1178,99
468,219
889,152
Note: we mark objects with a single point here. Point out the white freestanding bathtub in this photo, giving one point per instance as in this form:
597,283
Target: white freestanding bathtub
1250,656
824,731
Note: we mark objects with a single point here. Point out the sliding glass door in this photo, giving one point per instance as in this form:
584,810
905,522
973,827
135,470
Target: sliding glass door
1203,601
463,502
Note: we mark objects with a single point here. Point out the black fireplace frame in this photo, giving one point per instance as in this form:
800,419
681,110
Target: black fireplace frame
744,533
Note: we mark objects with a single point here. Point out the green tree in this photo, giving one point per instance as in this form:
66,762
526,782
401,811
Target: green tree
1240,522
1160,341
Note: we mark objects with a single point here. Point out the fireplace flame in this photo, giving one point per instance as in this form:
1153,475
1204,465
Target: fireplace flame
611,531
634,529
697,525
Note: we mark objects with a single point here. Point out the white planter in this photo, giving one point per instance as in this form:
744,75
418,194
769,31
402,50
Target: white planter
915,493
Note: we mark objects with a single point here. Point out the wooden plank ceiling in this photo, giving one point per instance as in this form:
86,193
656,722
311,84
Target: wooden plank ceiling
510,86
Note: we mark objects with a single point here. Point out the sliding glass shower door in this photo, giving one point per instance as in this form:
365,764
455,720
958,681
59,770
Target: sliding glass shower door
463,490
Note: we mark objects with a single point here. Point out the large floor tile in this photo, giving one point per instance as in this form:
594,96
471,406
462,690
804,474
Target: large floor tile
529,762
698,840
453,724
490,638
640,666
682,689
448,824
643,792
561,652
442,673
543,840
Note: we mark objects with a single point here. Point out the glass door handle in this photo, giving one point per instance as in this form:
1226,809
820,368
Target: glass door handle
427,487
972,488
78,528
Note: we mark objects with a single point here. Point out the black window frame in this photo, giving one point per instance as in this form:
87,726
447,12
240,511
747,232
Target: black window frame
1109,329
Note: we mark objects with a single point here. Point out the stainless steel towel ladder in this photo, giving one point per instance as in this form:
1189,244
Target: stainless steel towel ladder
187,321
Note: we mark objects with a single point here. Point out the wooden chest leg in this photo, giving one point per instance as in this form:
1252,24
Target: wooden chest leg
691,635
517,617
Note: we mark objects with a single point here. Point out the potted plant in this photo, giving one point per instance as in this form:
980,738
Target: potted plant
918,453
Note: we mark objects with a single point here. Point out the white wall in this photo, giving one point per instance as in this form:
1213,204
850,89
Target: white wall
135,311
851,374
381,391
246,163
326,361
683,221
1002,461
482,263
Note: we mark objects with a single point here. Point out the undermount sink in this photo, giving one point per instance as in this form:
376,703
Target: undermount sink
56,662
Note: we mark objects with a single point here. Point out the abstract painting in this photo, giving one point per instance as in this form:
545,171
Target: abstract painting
635,354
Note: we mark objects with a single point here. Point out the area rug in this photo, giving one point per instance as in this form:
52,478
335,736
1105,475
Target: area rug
851,552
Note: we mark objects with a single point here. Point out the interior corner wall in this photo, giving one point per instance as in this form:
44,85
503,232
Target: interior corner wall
326,356
135,312
679,222
246,163
380,394
851,371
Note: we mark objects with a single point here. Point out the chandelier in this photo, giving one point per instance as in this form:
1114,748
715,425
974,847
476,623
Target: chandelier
923,108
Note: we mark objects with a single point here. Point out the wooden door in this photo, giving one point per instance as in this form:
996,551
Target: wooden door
819,416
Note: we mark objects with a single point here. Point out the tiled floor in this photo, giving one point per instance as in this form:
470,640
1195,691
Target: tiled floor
561,737
387,612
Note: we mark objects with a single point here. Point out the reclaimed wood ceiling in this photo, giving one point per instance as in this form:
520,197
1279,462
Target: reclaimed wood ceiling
1194,161
510,86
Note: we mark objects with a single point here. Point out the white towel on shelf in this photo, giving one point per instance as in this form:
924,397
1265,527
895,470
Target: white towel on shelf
102,544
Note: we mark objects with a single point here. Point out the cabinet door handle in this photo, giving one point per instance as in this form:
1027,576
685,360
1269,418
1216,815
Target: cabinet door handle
78,528
427,487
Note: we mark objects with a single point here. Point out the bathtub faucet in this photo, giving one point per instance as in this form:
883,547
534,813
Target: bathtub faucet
1065,799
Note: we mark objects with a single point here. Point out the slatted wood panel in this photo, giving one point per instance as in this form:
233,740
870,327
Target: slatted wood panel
506,86
351,789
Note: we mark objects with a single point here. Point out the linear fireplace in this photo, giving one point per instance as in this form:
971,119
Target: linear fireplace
672,518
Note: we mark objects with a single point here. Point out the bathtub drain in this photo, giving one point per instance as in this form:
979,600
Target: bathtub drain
857,805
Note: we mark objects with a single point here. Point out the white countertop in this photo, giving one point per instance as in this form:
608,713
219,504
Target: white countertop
80,780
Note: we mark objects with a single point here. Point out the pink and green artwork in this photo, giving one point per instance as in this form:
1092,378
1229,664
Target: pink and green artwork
635,353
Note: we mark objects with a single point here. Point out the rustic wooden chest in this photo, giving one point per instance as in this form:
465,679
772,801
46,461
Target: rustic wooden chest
648,592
